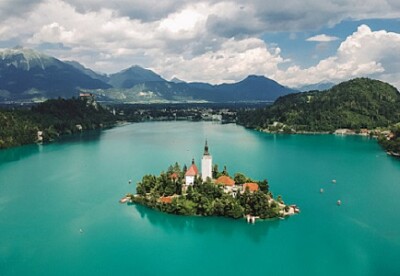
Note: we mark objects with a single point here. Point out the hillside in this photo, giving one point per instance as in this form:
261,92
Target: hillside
53,118
355,104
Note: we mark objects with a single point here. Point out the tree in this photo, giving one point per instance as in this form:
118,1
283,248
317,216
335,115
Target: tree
263,186
177,168
215,173
240,178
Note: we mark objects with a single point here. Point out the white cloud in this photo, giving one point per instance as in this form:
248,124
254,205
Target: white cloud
322,38
364,53
208,40
234,60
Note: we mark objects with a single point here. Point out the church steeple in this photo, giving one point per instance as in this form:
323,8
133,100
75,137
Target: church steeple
206,164
206,149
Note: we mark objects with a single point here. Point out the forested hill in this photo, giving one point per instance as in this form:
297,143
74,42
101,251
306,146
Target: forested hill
53,118
354,104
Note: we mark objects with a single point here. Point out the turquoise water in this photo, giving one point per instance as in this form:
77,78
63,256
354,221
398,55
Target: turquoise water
48,193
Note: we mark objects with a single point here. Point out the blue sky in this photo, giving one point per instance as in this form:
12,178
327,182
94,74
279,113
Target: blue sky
293,42
306,53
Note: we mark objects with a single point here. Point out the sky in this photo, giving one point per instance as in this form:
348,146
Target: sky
293,42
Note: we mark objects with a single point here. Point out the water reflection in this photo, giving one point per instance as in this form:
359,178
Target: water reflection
204,225
18,153
87,136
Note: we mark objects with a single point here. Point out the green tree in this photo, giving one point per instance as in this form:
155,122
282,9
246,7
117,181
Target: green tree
240,178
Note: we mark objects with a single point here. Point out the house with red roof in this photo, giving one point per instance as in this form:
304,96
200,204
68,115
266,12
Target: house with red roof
166,199
252,187
226,182
191,174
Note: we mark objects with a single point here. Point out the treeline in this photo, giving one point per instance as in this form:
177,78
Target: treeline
355,104
391,142
204,198
53,118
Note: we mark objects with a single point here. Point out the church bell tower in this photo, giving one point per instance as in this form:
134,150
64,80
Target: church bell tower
206,164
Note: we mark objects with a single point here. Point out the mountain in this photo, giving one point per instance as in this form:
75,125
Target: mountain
132,76
94,75
252,88
316,86
355,104
176,80
26,74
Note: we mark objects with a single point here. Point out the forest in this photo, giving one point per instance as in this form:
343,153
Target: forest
355,104
53,118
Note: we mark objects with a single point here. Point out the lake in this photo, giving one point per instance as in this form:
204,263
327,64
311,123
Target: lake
49,192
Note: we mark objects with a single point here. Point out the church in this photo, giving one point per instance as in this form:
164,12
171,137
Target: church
206,168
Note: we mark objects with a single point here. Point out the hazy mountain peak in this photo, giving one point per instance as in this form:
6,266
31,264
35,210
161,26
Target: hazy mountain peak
26,59
133,75
176,80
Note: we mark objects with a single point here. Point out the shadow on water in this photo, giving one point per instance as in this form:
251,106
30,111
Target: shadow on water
204,225
87,136
21,152
18,153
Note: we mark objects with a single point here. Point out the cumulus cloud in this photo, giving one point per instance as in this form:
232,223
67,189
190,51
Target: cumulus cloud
209,40
322,38
234,60
364,53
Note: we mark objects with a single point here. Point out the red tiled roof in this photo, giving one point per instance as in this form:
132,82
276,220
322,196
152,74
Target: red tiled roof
192,171
166,199
174,176
252,187
225,180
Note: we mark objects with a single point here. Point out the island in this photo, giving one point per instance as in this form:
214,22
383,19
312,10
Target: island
188,191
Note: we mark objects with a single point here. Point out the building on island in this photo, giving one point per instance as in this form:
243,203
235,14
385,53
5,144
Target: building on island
226,182
206,164
252,187
191,174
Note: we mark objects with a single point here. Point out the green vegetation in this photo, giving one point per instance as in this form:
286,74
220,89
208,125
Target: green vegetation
391,141
165,193
53,118
355,104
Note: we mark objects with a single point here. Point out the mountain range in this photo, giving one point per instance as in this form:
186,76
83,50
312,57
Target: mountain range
27,75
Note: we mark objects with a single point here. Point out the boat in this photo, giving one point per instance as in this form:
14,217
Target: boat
124,199
321,190
80,230
339,202
333,180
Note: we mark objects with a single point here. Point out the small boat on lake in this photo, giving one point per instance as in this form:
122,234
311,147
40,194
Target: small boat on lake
339,202
334,181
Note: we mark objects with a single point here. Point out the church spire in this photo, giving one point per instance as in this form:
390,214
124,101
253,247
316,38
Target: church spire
206,149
